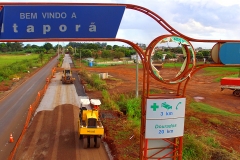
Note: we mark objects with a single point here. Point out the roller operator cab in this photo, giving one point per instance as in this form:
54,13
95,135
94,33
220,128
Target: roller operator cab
90,126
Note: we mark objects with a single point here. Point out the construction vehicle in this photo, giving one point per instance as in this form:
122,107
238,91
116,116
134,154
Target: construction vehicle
232,84
90,127
67,76
95,104
89,103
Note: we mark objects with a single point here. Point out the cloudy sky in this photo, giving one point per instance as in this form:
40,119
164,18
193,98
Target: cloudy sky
200,19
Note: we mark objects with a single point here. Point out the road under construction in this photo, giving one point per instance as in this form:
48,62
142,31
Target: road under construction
53,132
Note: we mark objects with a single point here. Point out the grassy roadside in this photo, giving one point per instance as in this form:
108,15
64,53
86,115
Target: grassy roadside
205,127
205,118
14,66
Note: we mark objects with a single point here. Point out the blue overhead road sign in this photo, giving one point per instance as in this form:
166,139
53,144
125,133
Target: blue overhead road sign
36,22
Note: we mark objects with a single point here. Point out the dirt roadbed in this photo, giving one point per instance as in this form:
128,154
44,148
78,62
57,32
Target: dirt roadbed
53,135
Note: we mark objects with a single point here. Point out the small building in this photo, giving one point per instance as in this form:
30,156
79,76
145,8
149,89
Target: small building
134,57
89,59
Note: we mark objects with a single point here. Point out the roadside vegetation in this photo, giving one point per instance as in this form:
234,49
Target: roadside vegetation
232,72
206,145
203,146
205,108
196,147
17,61
14,66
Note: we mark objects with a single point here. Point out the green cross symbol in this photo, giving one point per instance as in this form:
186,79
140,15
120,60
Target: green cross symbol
154,106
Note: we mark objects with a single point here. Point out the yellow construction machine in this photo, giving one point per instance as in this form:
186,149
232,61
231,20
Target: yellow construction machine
89,125
67,76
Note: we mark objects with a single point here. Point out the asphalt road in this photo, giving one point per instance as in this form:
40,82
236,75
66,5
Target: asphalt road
79,87
14,107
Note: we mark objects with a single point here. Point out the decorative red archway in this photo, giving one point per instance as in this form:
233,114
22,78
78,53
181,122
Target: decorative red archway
174,143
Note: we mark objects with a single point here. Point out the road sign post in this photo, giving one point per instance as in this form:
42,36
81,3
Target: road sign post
164,123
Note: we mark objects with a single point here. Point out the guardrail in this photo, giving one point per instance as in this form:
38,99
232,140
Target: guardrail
31,111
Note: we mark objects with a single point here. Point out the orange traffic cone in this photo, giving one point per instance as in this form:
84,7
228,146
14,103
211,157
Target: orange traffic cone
11,139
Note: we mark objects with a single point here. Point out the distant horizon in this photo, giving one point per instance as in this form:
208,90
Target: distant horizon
198,19
108,43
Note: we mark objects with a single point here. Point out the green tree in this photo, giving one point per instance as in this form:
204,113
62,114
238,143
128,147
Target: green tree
9,46
157,56
109,47
177,50
86,53
206,53
41,57
28,46
106,54
169,55
70,50
199,55
56,46
3,47
17,46
40,50
51,51
115,47
48,46
35,46
118,54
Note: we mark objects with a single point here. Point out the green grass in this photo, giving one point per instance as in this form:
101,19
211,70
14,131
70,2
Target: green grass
193,149
172,65
195,120
103,60
202,107
230,76
156,91
140,66
210,141
221,70
232,72
12,66
98,83
10,59
122,135
212,132
108,102
215,121
93,80
101,66
211,71
204,148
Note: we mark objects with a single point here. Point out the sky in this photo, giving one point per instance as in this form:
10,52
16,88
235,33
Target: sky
199,19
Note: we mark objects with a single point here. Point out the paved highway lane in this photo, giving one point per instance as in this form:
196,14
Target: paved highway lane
13,108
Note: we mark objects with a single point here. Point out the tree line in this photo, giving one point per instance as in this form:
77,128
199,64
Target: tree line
94,50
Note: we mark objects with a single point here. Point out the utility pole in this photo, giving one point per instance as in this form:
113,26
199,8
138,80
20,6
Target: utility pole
136,75
58,50
80,58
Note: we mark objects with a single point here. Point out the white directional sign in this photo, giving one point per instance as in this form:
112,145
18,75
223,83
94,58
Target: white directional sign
166,128
165,108
165,118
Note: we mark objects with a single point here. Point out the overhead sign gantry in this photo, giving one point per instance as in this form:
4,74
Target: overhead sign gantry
39,22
